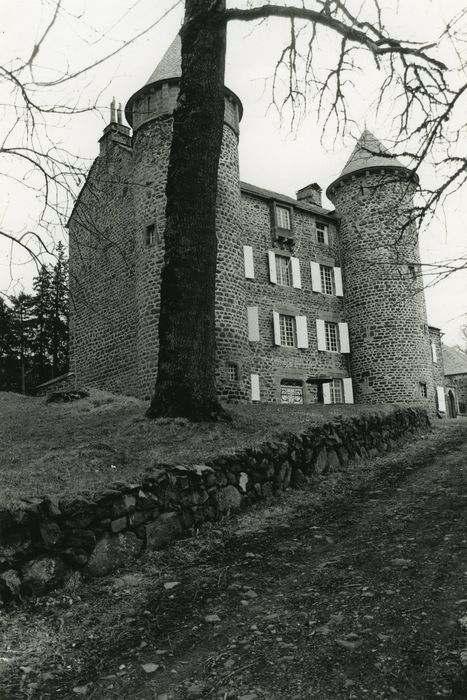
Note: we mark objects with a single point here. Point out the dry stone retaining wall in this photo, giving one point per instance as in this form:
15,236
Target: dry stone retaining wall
44,541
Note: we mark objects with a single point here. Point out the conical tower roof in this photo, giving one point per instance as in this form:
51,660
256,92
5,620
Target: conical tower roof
169,68
368,154
170,65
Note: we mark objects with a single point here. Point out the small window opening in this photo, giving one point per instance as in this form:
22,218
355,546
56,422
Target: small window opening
412,271
151,234
232,371
423,390
291,391
322,233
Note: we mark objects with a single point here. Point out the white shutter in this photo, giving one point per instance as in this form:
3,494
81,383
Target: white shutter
441,399
272,267
321,334
302,331
277,330
316,277
434,354
348,390
296,277
326,235
344,337
253,323
327,393
338,282
255,393
249,262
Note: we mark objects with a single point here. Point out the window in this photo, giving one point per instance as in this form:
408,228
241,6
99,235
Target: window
330,330
283,219
283,272
322,233
327,279
232,371
412,271
291,391
423,390
287,330
151,234
337,391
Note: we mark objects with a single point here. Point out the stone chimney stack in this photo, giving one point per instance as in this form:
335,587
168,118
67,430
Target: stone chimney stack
115,132
311,194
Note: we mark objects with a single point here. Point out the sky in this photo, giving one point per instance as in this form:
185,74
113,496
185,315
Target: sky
274,153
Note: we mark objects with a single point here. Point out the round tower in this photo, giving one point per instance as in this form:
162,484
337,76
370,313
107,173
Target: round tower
149,111
384,299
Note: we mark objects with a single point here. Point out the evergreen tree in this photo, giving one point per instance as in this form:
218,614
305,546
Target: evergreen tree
8,360
58,315
41,309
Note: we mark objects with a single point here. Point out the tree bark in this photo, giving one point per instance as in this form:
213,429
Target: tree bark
185,384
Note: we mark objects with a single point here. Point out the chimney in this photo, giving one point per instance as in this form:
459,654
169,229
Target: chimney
115,132
311,194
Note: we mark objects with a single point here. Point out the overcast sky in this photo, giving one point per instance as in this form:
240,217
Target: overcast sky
272,155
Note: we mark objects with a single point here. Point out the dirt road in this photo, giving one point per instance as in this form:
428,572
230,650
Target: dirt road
352,588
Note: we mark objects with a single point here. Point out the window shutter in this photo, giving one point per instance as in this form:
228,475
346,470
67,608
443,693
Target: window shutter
321,335
302,331
249,262
434,354
327,393
348,390
344,337
255,393
253,323
338,282
277,330
441,399
326,235
296,277
272,267
316,277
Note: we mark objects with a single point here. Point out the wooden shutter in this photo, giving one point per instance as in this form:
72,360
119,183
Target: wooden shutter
253,323
249,262
255,393
277,329
348,390
327,393
296,277
326,235
316,277
302,331
441,399
434,354
272,267
321,334
338,282
344,337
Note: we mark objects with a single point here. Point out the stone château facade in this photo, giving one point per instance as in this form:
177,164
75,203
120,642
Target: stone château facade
311,304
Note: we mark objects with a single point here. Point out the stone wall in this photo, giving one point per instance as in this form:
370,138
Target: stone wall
459,382
102,275
43,542
272,362
384,298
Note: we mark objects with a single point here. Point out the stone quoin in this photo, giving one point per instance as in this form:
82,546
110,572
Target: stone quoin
311,304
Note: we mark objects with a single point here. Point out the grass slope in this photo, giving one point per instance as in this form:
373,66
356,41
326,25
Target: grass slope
63,449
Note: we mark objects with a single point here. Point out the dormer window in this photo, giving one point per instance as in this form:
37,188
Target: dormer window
283,218
322,233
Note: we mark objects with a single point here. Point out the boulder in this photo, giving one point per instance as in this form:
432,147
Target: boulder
229,499
10,585
43,574
164,530
111,552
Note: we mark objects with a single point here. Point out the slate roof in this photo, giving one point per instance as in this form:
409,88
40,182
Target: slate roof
269,194
455,360
170,65
369,153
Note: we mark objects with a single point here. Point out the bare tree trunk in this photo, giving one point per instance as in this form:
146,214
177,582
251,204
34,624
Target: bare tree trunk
185,383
